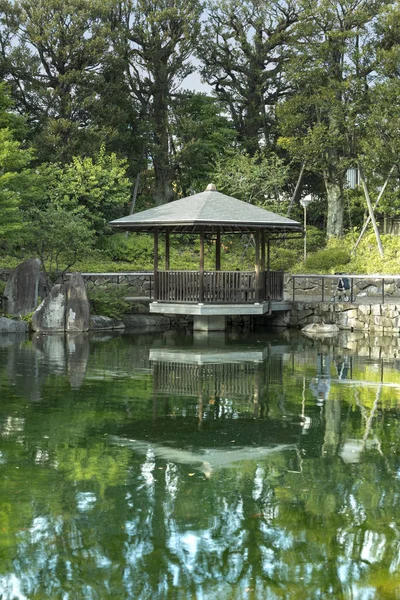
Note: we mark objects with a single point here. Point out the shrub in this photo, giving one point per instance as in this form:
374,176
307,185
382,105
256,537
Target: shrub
135,249
109,300
329,260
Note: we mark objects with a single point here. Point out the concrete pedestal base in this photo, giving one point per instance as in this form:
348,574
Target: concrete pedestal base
209,323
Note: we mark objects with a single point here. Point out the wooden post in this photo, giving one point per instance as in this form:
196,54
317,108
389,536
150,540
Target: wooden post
218,251
257,236
262,266
263,250
201,272
167,251
269,267
156,264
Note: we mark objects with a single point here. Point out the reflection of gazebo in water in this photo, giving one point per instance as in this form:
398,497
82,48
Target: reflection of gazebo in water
218,377
211,295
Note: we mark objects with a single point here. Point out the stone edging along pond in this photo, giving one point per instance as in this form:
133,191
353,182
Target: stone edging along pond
382,318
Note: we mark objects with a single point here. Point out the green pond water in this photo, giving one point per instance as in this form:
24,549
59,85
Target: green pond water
169,466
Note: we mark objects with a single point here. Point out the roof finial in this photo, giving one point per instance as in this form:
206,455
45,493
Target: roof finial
211,188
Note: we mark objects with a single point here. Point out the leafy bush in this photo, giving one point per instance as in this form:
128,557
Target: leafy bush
136,249
109,300
329,260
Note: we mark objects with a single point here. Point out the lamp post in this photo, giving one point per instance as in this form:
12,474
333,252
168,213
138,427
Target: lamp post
305,202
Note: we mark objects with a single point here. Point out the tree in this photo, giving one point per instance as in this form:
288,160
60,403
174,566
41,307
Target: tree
52,52
202,135
95,189
257,179
244,49
330,74
14,160
156,40
98,188
58,237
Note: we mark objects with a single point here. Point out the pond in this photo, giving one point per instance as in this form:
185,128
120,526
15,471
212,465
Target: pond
167,466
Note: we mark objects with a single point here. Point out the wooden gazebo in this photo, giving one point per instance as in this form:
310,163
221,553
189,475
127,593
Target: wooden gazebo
213,293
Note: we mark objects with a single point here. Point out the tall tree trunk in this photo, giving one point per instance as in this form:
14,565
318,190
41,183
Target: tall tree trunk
163,191
334,191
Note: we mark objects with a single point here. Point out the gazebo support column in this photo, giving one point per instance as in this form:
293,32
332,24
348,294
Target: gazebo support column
209,323
218,251
167,251
201,270
257,237
268,268
262,275
155,264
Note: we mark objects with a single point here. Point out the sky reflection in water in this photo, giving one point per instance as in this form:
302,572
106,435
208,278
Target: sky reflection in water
163,466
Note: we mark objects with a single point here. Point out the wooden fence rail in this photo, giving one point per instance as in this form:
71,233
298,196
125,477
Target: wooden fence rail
219,287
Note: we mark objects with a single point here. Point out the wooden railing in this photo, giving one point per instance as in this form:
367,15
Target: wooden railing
225,287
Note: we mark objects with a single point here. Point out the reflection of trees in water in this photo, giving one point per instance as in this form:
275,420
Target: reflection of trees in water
84,517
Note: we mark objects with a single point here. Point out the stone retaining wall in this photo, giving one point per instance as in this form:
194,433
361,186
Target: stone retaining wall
362,288
137,284
380,318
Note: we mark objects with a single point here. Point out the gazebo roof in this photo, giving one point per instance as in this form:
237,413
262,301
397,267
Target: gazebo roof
210,210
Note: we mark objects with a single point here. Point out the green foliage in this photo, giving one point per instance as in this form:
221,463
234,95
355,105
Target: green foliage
109,300
58,237
135,249
13,161
330,260
258,179
97,187
203,135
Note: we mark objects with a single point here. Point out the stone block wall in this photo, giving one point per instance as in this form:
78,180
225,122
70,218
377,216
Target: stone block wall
353,317
138,284
311,287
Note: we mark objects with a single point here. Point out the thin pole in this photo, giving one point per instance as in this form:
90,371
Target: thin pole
201,273
218,251
156,264
167,251
371,211
363,230
305,232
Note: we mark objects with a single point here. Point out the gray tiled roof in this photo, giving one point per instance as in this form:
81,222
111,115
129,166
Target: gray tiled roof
210,209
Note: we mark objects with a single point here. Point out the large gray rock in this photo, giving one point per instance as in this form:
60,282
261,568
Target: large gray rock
100,322
22,290
50,314
66,308
147,322
10,326
77,310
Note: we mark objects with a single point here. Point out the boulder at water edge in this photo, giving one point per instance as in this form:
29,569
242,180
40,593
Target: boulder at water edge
50,314
100,322
66,308
22,290
10,326
320,330
77,310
